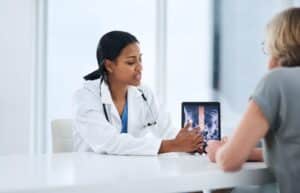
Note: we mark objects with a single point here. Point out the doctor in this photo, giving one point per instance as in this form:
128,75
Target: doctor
114,114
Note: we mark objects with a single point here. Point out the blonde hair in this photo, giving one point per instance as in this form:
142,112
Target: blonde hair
283,37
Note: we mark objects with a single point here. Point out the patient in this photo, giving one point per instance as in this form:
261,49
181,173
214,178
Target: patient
273,110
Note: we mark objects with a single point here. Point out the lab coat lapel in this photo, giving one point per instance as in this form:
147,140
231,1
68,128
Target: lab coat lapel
134,109
111,108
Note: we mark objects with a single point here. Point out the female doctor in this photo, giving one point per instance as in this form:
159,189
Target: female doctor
114,114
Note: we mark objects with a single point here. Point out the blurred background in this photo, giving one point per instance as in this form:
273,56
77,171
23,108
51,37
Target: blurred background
194,50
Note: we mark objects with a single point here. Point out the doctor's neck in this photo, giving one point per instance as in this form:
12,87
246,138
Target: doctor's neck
118,91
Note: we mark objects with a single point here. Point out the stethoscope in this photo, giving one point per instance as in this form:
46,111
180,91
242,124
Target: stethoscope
149,124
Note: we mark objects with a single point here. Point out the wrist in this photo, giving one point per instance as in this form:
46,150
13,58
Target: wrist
167,146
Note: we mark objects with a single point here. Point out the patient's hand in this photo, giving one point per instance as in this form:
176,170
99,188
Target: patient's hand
256,155
212,147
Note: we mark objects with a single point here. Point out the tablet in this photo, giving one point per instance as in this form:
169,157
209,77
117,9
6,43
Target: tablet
204,115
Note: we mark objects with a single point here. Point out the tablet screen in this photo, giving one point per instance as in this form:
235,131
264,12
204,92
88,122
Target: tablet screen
205,115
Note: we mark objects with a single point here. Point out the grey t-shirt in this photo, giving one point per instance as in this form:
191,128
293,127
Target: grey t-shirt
278,96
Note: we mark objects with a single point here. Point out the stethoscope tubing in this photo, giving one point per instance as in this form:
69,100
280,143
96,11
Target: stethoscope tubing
144,99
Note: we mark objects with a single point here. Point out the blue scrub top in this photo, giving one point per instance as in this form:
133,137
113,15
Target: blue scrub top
124,118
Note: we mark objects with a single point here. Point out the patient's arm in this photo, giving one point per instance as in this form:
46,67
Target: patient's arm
239,147
213,146
256,155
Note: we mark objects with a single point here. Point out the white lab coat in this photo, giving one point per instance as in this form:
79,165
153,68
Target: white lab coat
92,132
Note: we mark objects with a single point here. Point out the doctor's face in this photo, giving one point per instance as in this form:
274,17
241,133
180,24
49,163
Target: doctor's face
127,68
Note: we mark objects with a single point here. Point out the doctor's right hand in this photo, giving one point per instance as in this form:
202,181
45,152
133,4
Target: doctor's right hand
185,141
188,140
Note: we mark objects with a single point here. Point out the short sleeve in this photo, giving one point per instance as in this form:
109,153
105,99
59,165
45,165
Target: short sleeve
267,96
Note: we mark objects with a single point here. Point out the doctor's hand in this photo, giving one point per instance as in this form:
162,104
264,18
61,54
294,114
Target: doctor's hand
185,141
188,140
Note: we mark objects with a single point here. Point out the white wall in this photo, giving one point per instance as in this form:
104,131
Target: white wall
189,41
17,20
296,3
242,60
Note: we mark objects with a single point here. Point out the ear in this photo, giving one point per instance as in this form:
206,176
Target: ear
108,65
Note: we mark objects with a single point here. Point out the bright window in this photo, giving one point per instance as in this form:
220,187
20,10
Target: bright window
74,29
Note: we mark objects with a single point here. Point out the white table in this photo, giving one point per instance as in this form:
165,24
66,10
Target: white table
91,173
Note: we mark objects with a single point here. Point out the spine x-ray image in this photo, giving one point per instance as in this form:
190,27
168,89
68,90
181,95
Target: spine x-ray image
204,117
